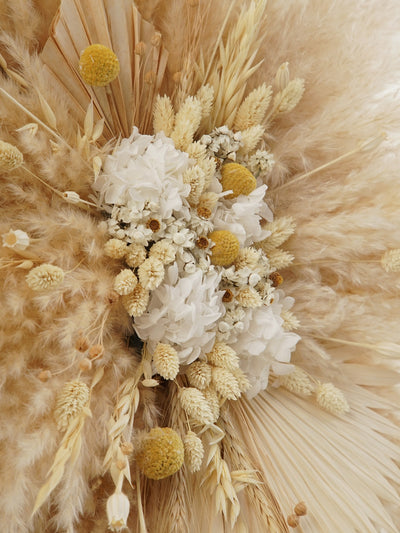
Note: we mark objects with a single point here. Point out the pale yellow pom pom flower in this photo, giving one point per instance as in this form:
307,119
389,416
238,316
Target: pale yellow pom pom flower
98,65
225,249
161,453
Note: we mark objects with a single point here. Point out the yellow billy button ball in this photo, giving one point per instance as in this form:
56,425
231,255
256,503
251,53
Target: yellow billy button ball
226,247
238,179
161,453
98,65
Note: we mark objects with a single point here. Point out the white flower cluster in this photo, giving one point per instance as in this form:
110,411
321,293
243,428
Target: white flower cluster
176,294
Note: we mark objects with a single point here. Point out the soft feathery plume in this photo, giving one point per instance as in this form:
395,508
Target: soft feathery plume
117,511
211,396
164,115
253,108
225,383
205,95
199,374
135,254
16,239
281,229
280,259
195,405
125,282
233,68
331,399
223,356
166,361
282,77
195,177
187,122
287,99
164,251
208,166
44,277
290,321
247,258
390,260
196,150
194,451
248,297
72,398
136,302
115,248
250,139
151,273
298,382
242,379
10,157
160,453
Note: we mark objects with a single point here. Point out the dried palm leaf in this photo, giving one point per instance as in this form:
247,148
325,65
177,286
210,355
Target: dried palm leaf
128,100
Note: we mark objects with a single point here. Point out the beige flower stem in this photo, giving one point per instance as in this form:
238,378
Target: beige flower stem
218,42
388,351
41,123
55,191
142,523
363,147
333,261
35,118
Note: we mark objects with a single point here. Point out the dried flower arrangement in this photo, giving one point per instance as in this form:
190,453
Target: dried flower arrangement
160,341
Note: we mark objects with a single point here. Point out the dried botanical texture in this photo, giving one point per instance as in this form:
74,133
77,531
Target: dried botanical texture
331,399
253,108
298,382
281,229
187,121
194,451
225,383
195,405
163,251
44,277
125,282
164,115
151,273
72,398
10,156
136,302
166,361
223,356
234,64
199,374
344,213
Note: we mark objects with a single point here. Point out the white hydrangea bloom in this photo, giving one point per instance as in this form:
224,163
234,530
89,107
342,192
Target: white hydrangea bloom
263,344
144,177
183,312
242,216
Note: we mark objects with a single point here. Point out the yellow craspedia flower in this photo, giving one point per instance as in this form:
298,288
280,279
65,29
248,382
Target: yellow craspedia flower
238,179
98,65
10,156
161,453
226,247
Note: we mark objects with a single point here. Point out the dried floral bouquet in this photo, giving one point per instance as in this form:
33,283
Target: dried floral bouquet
199,261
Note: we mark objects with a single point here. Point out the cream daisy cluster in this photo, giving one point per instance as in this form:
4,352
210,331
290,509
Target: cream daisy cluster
192,226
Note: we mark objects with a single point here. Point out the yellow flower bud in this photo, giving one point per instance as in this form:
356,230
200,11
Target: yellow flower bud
98,65
238,179
226,247
161,453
